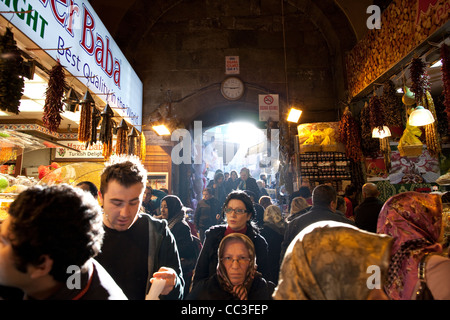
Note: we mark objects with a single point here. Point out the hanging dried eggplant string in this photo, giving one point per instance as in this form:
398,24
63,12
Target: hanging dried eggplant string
392,105
133,142
431,134
142,146
349,135
121,140
445,58
54,95
369,146
95,120
106,131
85,126
11,71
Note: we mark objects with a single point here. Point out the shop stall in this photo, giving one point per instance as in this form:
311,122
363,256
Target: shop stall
64,83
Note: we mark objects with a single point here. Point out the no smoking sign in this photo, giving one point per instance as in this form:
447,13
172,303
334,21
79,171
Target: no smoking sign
268,107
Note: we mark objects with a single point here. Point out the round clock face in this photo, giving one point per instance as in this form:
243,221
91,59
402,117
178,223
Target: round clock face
232,88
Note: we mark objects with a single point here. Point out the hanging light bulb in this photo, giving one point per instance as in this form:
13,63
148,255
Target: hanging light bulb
420,117
384,133
294,115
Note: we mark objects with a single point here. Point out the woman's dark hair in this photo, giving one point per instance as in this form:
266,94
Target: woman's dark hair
60,221
244,197
174,205
92,187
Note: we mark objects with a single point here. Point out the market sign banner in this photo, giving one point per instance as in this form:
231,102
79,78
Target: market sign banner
94,151
84,47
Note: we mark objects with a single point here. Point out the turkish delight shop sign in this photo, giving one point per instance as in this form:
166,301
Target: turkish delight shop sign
94,151
84,47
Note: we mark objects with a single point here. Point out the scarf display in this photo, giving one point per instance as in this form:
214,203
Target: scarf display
328,260
238,291
414,220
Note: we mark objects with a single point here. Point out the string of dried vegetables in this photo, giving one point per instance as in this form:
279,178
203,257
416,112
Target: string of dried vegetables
54,95
376,115
369,146
121,140
392,105
420,80
431,135
85,126
445,58
133,142
95,120
386,151
142,146
349,135
106,131
11,69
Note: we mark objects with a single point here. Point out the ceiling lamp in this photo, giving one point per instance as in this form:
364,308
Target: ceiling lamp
161,130
384,133
71,100
420,117
294,115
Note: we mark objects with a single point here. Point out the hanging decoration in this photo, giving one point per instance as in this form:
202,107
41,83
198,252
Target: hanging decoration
133,142
95,120
121,141
84,128
11,70
369,146
376,115
349,135
420,80
142,146
54,95
431,133
445,58
106,131
392,105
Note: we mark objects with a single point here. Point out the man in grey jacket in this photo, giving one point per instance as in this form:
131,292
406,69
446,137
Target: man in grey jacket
137,247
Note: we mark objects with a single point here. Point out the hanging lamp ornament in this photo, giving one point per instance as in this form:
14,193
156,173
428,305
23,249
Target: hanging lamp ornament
121,141
71,100
133,142
54,94
106,131
84,128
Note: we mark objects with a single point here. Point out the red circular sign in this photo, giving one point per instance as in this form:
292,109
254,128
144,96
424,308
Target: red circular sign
268,99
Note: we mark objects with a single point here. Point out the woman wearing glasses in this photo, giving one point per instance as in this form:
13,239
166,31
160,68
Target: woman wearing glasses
238,210
236,277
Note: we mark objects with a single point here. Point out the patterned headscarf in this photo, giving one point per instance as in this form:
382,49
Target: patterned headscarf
330,260
414,220
273,218
239,291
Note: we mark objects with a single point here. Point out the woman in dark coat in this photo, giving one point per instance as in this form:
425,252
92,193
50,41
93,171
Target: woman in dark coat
236,277
173,211
239,210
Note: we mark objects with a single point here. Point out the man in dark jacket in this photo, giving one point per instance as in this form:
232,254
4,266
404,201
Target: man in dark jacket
323,208
137,247
246,182
205,215
366,214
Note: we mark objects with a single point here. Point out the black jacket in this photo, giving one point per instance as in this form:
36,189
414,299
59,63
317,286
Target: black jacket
315,214
207,261
210,289
366,214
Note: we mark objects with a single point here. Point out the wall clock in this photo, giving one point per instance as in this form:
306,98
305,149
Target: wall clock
232,88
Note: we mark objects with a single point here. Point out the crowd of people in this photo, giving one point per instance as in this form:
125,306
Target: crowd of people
78,243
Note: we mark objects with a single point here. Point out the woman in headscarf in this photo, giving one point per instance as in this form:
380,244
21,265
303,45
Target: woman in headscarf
330,260
239,212
236,277
414,220
173,211
273,231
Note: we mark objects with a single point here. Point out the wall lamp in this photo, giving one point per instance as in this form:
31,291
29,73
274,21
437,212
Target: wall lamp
294,115
381,133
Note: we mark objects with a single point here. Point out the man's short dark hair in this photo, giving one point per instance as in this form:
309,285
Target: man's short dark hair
323,195
126,170
91,186
60,221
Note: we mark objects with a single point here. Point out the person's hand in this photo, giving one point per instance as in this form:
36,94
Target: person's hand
167,274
